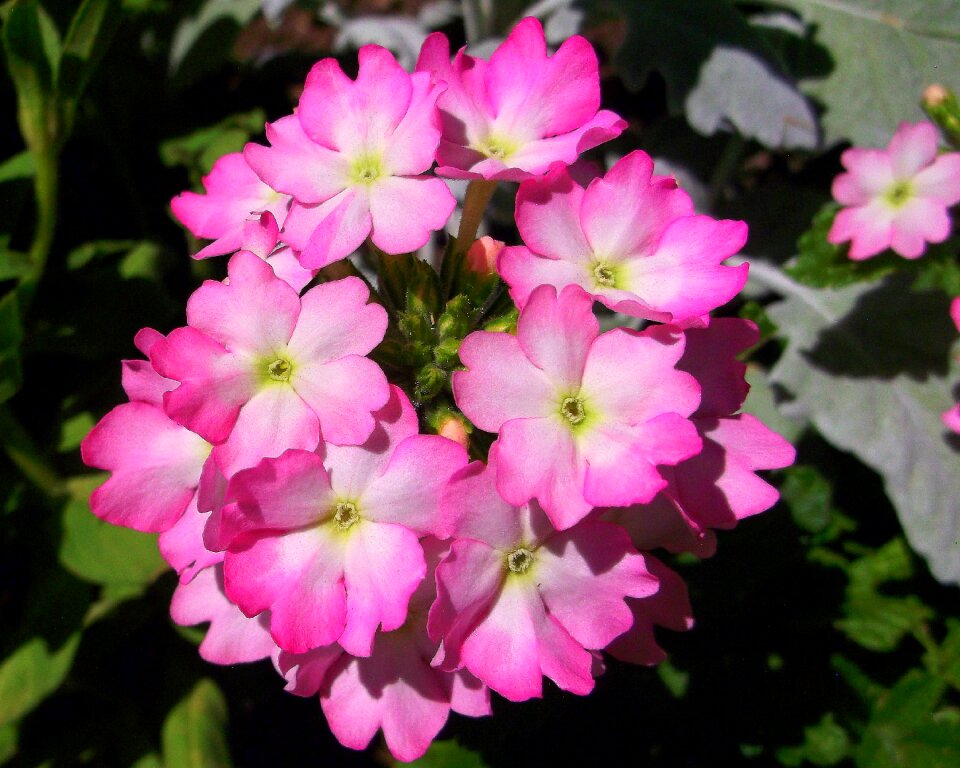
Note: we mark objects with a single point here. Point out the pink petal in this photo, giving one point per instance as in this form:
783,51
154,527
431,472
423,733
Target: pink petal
870,175
669,607
336,321
232,638
343,393
869,227
408,492
413,143
352,469
548,216
584,575
622,461
294,164
355,116
524,272
536,95
330,231
305,673
940,180
918,222
468,580
214,384
539,458
536,157
464,108
182,544
298,577
404,211
383,566
711,357
394,689
140,380
472,508
625,213
287,267
155,465
913,146
629,377
685,276
280,494
254,313
500,383
555,331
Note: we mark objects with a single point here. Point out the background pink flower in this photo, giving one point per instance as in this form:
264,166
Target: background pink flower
898,197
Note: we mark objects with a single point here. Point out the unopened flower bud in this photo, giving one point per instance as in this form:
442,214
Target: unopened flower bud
454,429
482,256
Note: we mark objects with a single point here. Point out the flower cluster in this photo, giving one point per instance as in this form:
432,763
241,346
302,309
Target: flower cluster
327,515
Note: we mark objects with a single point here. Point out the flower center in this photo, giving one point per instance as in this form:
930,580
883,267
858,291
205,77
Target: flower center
279,370
345,515
520,560
366,169
496,147
572,410
603,275
899,193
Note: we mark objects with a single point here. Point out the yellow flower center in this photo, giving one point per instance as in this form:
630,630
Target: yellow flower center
345,515
519,560
279,370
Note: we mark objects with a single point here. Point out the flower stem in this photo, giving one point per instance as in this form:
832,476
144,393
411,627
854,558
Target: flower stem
45,184
479,192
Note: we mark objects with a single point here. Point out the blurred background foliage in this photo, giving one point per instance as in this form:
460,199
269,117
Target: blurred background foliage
827,629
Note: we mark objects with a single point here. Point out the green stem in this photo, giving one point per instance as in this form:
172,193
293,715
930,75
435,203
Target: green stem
45,185
479,192
20,448
726,166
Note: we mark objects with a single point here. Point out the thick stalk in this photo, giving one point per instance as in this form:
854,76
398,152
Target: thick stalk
475,203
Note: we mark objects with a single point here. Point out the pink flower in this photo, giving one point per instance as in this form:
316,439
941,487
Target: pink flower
583,419
292,366
155,463
235,195
394,689
668,607
719,486
351,158
952,417
514,116
629,239
330,546
261,238
232,637
896,198
517,600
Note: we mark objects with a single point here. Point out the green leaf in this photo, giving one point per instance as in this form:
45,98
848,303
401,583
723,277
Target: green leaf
73,430
724,73
825,743
824,265
31,674
874,620
201,42
674,680
810,498
8,742
96,249
198,151
120,559
19,166
449,754
11,335
821,264
867,365
762,402
150,760
193,733
945,661
885,52
31,45
905,731
88,38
